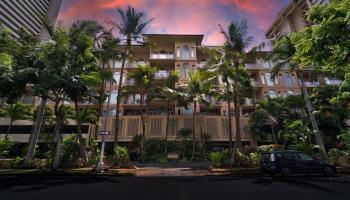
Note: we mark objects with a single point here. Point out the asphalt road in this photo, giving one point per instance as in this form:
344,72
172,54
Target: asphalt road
80,187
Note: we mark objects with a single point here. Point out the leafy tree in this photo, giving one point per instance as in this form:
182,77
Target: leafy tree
195,91
283,56
81,75
131,27
16,112
326,42
143,85
184,135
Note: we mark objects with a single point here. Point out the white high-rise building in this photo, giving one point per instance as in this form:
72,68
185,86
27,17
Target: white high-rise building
30,14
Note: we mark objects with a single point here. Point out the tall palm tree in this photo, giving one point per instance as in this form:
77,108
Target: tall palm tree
143,85
220,66
236,41
167,91
195,91
106,52
16,112
282,55
132,25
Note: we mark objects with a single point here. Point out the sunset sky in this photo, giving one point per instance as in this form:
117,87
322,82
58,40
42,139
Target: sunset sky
182,16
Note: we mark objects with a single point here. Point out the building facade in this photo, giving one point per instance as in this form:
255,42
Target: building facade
31,14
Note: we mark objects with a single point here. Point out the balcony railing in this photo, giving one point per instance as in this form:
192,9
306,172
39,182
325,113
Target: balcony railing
162,56
161,74
256,66
332,81
215,125
312,83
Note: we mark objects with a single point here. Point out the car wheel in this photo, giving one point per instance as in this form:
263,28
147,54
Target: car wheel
328,171
285,171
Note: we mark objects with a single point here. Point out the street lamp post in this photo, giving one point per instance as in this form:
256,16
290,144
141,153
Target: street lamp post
100,164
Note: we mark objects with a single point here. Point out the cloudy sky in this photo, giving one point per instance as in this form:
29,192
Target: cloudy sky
182,16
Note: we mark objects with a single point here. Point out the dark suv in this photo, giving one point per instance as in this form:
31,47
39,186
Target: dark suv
289,162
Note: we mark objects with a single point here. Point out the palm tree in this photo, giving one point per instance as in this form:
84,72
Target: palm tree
205,137
16,112
131,27
106,52
236,41
195,91
63,113
282,55
143,85
270,108
220,66
167,91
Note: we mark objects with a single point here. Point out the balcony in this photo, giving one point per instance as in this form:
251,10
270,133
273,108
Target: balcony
162,56
161,74
332,81
312,84
256,66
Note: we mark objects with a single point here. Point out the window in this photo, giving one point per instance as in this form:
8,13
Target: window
305,157
185,53
116,77
178,52
269,81
184,70
192,52
114,95
288,80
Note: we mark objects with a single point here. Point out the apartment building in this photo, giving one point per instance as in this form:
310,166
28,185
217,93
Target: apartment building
30,14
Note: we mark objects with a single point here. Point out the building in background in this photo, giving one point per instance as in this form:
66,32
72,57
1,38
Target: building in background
30,14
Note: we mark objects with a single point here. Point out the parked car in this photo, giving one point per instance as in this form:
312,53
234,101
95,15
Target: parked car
290,162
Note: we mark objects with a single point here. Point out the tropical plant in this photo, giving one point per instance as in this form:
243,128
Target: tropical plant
204,138
195,91
5,146
131,26
70,150
143,79
282,55
216,158
122,154
236,41
16,112
184,135
167,91
81,75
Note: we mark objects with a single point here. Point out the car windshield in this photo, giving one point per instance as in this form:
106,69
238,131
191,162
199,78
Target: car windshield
305,157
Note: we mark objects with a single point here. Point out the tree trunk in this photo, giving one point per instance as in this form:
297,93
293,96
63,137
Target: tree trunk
57,138
9,129
79,133
229,117
194,131
143,126
36,130
316,131
100,106
273,134
126,53
238,143
167,128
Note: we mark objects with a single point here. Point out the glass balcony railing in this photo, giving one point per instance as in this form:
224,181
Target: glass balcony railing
332,81
161,74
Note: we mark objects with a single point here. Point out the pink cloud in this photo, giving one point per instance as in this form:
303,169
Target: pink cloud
180,16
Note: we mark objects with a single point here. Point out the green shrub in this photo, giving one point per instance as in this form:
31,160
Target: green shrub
254,159
94,152
5,146
17,163
70,150
154,149
216,158
226,157
121,154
